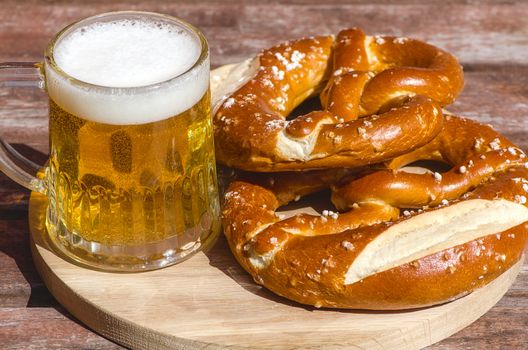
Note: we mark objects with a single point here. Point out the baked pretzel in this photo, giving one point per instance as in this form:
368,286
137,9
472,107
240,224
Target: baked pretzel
404,80
474,151
370,256
371,71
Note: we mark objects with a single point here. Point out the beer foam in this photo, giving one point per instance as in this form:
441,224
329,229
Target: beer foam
121,59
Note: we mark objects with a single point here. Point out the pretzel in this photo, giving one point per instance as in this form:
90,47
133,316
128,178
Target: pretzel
404,80
370,256
474,151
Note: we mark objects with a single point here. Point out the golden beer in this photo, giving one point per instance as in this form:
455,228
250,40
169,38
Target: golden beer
131,179
133,184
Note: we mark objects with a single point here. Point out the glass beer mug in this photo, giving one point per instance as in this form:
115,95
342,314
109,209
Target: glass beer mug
131,179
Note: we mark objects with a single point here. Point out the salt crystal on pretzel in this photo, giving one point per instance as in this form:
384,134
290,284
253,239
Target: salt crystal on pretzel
378,252
408,81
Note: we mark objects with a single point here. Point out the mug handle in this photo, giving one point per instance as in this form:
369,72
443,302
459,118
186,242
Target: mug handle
13,164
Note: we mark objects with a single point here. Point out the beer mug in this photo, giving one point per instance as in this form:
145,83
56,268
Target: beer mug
131,180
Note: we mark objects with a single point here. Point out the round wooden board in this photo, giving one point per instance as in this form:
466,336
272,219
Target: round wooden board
209,302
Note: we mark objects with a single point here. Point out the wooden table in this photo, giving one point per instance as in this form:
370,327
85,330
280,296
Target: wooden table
489,37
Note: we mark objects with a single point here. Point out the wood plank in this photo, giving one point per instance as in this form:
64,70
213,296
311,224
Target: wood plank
283,2
13,197
482,33
498,97
20,284
46,328
503,327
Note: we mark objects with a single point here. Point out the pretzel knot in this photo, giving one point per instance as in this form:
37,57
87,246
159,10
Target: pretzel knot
405,81
378,253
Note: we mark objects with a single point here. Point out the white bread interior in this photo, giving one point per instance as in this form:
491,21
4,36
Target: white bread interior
434,231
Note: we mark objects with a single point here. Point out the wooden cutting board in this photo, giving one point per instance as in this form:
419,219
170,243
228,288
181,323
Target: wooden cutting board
209,302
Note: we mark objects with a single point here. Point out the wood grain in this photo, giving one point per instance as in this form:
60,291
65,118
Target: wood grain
60,331
210,302
485,33
490,37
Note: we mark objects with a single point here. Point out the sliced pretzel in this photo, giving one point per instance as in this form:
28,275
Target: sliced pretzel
370,257
252,133
310,259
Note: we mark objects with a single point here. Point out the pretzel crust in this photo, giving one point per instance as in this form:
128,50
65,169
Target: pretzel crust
406,81
401,239
311,269
475,151
306,258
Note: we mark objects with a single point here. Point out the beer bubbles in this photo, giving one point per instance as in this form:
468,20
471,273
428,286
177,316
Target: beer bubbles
130,56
